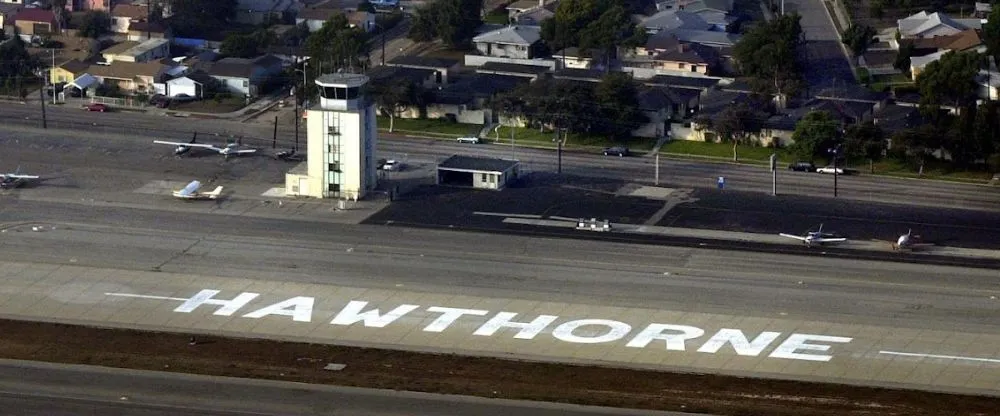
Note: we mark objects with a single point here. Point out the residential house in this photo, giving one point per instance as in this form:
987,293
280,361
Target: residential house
927,25
7,13
425,78
700,84
522,6
710,106
443,67
530,72
516,41
893,118
129,51
715,12
578,75
575,58
256,12
129,77
879,62
103,5
983,10
535,17
918,63
123,14
673,56
35,22
988,82
675,19
193,84
315,17
855,93
466,99
244,77
67,71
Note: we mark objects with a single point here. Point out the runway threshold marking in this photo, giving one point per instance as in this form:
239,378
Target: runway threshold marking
134,295
946,357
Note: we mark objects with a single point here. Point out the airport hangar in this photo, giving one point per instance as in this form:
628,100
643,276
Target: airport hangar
477,172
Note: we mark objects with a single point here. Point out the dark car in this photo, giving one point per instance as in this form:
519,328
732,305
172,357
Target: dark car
802,167
96,107
619,151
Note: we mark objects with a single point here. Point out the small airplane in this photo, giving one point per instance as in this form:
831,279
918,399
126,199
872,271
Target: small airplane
230,149
288,155
191,192
909,241
816,237
14,180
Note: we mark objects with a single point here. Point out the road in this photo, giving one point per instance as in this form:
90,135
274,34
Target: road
826,64
133,133
38,389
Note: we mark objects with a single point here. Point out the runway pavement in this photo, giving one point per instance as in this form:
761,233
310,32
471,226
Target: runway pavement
39,389
649,307
140,129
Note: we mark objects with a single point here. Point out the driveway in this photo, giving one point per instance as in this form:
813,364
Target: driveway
826,64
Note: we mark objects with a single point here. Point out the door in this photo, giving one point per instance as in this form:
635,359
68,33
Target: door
303,186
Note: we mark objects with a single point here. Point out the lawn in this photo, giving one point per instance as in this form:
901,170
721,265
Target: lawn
724,151
885,82
534,138
432,127
226,105
933,170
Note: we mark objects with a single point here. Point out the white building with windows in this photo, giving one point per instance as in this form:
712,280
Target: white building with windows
342,135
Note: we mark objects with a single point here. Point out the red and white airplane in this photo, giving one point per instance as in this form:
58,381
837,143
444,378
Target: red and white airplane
191,192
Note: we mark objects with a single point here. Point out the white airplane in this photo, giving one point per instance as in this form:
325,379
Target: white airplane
230,149
13,180
816,237
191,192
909,241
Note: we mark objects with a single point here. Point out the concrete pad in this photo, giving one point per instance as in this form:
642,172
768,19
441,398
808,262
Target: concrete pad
652,192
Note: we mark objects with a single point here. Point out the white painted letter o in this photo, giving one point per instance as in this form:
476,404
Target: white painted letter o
616,331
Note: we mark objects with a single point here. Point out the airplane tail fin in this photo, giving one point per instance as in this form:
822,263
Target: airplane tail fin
215,192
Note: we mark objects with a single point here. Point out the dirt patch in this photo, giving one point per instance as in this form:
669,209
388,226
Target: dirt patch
452,374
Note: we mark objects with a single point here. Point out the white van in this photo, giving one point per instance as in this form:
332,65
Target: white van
473,140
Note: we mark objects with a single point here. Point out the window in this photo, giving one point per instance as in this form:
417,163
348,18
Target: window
680,66
694,68
246,84
334,187
334,167
484,178
331,148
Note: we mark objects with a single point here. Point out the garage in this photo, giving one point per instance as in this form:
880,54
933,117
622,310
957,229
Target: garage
477,172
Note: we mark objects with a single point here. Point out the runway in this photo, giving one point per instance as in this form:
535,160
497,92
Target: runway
40,389
141,128
865,323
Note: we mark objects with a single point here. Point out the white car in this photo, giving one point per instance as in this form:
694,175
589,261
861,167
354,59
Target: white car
830,170
391,166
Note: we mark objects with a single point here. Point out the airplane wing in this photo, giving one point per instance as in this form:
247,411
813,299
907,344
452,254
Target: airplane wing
797,237
190,189
204,146
830,240
246,151
20,176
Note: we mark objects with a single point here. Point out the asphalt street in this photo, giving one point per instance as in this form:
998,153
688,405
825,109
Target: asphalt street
39,389
825,63
126,132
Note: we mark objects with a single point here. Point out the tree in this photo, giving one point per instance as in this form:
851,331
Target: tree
814,134
59,10
903,57
200,17
94,24
769,54
866,140
453,21
612,29
736,124
14,58
366,6
247,45
395,96
991,34
919,142
619,112
987,130
950,80
336,45
858,38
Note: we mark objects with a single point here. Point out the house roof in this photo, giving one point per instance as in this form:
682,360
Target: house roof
852,93
707,37
423,62
380,74
34,15
230,67
200,77
577,53
922,61
535,17
966,39
126,70
119,48
143,27
130,11
9,8
466,89
523,5
676,19
83,81
479,164
75,66
892,118
317,13
588,75
922,22
720,5
512,35
702,83
506,68
875,59
653,99
689,53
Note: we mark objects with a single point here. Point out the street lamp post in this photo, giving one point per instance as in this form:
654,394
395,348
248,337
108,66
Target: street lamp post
836,151
382,35
302,92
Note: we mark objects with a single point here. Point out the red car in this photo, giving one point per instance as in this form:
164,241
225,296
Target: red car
96,107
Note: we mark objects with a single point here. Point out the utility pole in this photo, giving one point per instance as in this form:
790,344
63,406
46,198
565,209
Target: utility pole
41,95
53,66
656,180
513,155
774,174
274,137
560,137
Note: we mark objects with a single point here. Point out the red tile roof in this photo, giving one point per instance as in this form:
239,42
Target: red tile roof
35,15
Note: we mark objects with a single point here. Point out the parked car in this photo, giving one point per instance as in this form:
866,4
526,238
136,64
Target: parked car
96,107
620,151
473,140
831,170
802,167
392,166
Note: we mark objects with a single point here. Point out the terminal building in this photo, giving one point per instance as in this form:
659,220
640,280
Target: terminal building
342,136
